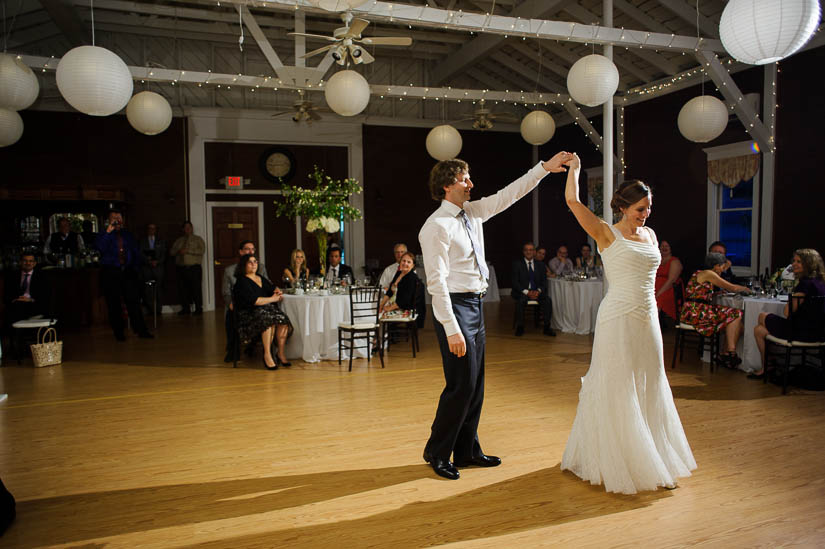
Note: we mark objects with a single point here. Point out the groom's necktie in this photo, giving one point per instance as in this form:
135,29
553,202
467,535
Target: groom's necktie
482,265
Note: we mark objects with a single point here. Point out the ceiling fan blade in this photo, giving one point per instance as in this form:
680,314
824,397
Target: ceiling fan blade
365,56
356,28
314,115
318,36
281,113
319,50
387,41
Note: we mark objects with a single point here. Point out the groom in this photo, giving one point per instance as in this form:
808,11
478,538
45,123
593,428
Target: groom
452,242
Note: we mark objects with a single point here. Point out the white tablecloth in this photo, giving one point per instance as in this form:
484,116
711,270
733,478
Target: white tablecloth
315,319
492,288
575,304
746,346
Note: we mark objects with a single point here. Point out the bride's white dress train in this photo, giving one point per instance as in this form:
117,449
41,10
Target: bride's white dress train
627,434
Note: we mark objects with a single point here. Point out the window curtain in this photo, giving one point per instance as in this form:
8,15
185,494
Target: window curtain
732,171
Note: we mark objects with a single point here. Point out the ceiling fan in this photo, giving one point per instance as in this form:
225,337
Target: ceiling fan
303,110
483,117
347,41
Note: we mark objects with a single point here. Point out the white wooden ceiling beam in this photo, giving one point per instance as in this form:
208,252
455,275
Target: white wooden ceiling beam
647,22
736,99
67,20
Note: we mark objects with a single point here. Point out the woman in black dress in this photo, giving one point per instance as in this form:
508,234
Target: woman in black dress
809,271
256,302
402,290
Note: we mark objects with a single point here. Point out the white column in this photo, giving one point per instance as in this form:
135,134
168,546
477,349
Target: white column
607,125
535,195
768,166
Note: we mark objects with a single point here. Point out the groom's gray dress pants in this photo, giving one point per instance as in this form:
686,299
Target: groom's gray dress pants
454,430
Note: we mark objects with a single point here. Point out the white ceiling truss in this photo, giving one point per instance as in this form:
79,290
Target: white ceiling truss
514,52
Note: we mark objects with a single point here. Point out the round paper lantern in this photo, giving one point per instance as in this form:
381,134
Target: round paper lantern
538,127
764,31
347,93
444,142
11,127
592,80
149,113
94,80
337,5
18,84
703,119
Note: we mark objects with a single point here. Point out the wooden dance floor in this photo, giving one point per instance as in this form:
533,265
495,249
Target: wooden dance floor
160,444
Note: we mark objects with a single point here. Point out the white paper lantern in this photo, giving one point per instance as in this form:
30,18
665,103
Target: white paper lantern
11,127
592,80
538,127
703,119
337,5
18,84
764,31
347,93
444,142
94,80
149,113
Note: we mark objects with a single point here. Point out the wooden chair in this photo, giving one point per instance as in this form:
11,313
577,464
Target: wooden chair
793,347
363,324
393,326
18,339
685,331
236,351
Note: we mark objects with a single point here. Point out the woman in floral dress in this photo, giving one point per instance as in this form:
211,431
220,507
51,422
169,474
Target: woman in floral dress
708,319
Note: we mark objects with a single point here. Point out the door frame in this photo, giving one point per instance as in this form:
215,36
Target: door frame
209,298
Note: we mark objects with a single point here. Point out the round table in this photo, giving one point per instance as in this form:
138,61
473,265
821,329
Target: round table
746,346
315,319
575,304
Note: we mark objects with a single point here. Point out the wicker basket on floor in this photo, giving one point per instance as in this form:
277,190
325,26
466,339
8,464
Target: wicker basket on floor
47,351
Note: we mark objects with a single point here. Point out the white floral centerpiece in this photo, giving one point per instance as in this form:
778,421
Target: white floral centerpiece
324,206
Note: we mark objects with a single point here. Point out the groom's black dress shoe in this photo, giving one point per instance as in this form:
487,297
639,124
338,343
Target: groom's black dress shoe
442,467
479,461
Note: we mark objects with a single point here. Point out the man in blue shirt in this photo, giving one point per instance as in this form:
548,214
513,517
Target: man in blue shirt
120,261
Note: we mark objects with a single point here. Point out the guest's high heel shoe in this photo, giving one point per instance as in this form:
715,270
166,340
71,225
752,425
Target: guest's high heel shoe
273,367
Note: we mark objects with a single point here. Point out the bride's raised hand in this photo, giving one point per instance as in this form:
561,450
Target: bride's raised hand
556,164
574,162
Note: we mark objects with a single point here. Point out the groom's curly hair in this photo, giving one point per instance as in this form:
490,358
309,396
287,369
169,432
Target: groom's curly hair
443,175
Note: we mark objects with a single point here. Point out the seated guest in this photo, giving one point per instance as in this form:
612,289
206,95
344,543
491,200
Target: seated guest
807,319
587,259
297,270
699,312
389,273
256,300
153,249
26,292
88,235
230,276
120,261
530,283
669,271
719,247
401,293
63,242
541,256
336,269
561,264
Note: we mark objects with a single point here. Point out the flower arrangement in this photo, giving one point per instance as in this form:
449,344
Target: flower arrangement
324,206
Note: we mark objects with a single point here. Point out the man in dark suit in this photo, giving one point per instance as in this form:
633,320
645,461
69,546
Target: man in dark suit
529,283
153,249
26,293
336,269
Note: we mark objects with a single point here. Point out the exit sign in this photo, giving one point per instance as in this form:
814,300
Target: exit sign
234,182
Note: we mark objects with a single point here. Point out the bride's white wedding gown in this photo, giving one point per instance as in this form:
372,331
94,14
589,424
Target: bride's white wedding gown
627,434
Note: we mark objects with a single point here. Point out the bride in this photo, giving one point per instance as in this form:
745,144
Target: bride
627,433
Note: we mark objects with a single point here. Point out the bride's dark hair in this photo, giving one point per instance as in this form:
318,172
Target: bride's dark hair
628,194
